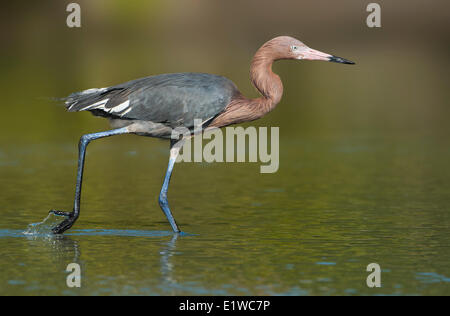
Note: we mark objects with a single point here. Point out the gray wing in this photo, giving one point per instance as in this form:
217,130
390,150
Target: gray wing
172,99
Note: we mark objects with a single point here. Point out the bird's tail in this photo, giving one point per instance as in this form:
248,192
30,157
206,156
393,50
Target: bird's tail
78,101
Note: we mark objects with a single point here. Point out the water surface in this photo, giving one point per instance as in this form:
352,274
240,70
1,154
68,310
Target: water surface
364,174
338,203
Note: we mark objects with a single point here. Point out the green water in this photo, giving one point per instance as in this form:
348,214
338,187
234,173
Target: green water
338,203
364,173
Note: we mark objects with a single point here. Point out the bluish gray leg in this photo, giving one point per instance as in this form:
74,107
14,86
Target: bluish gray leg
163,202
84,141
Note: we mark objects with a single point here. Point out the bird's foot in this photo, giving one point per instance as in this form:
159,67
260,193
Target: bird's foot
60,213
66,223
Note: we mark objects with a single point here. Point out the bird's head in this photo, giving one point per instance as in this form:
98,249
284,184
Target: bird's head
286,47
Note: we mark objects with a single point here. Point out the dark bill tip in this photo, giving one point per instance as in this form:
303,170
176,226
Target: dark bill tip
340,60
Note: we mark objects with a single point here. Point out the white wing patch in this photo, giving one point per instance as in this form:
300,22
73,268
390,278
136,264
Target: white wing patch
120,107
96,105
123,107
88,91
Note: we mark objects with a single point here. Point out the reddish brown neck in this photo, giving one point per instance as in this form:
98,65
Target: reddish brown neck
267,83
242,109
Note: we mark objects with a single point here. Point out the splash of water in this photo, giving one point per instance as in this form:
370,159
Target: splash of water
44,228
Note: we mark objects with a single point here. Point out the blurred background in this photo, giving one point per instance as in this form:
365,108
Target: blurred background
399,84
364,149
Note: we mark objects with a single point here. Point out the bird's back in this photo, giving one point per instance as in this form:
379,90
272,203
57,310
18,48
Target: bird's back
171,99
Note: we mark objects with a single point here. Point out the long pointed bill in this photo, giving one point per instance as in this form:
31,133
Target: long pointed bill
341,60
312,54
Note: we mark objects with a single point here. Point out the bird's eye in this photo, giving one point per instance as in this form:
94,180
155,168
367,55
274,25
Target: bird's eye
294,48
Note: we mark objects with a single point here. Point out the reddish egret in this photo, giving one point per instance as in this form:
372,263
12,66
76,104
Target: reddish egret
154,106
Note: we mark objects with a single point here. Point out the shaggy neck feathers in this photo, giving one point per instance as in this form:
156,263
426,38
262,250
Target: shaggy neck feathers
242,109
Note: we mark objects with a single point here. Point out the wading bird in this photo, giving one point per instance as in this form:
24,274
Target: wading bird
155,106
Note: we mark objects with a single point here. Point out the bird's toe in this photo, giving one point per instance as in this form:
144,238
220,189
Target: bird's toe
60,213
